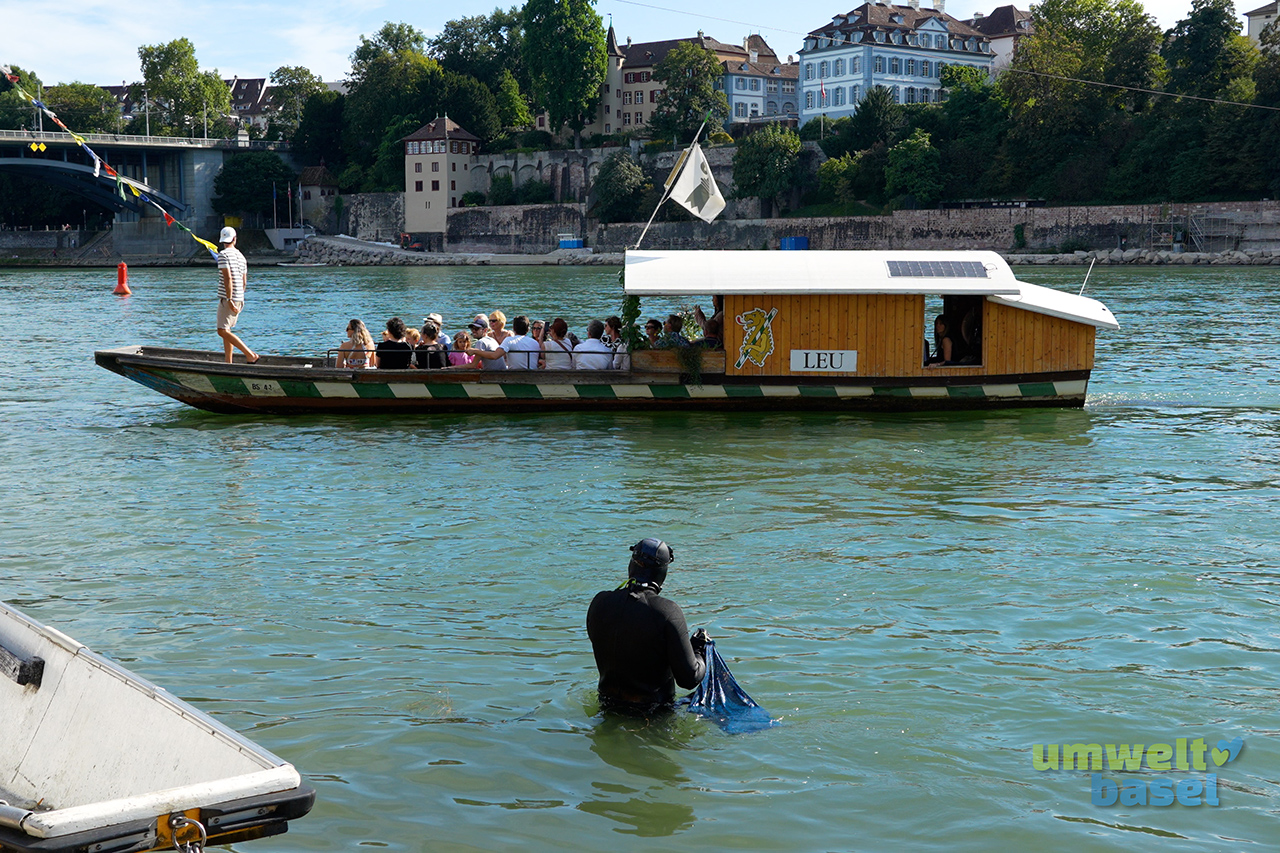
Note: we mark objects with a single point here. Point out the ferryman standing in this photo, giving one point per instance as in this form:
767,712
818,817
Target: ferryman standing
640,639
233,275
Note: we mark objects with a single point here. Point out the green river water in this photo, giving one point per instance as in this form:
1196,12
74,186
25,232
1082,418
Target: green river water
396,605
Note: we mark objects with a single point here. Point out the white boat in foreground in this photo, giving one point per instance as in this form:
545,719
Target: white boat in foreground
94,758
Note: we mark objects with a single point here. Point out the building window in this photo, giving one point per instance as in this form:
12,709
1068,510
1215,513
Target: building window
740,110
646,76
897,38
788,87
911,94
417,186
417,167
940,42
924,68
897,95
853,95
755,84
306,195
628,78
808,71
739,82
626,118
911,66
808,100
941,67
856,65
626,98
771,86
838,96
639,118
788,108
824,69
453,185
435,186
542,121
839,68
608,128
773,109
879,69
435,167
895,66
653,95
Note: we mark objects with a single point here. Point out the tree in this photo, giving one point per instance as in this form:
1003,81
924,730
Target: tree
837,177
878,119
915,169
465,100
618,188
391,86
484,46
568,65
182,96
513,111
688,73
244,185
318,138
767,163
291,87
392,39
1205,52
84,107
16,112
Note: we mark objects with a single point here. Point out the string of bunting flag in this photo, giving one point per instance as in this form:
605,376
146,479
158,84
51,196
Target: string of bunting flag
100,165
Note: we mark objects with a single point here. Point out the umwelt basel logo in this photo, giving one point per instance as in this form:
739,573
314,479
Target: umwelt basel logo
1191,759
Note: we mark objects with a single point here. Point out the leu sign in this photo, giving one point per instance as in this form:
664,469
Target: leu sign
824,360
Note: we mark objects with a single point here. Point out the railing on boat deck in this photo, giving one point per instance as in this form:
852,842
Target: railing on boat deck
654,361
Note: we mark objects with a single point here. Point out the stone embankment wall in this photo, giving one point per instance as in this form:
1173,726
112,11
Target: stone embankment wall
377,217
514,229
1254,257
337,251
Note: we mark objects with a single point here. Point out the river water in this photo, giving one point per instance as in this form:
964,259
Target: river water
396,605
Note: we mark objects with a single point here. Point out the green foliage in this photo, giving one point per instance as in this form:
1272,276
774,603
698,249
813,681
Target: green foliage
387,173
914,170
719,137
513,111
838,176
83,107
688,73
244,184
472,198
468,102
568,64
619,186
486,47
181,95
16,113
535,192
632,333
878,120
767,163
32,202
391,40
501,190
391,86
292,86
1020,236
1205,52
318,137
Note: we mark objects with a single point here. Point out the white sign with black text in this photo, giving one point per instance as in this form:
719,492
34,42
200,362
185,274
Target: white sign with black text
824,360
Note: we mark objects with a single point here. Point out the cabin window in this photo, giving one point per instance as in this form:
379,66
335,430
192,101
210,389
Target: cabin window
961,321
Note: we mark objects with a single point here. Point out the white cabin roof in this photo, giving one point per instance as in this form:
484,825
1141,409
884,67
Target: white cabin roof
958,273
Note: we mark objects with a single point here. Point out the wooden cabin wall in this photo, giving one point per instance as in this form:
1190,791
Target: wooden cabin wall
888,332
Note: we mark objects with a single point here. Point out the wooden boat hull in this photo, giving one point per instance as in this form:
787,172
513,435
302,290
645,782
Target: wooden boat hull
96,758
291,385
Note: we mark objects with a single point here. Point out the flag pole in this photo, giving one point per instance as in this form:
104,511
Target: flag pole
671,181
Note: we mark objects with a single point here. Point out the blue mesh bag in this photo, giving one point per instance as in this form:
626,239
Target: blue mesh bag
719,699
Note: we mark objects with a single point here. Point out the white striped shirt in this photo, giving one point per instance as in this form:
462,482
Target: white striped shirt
231,259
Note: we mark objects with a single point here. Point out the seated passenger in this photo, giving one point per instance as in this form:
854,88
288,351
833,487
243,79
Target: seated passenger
621,354
653,329
717,313
430,353
593,353
490,354
971,347
458,355
392,352
523,350
411,337
558,355
946,349
710,336
671,336
356,352
444,338
497,326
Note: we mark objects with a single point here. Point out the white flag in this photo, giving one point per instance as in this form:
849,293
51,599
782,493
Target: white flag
696,190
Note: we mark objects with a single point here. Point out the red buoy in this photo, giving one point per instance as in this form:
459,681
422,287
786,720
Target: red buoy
122,280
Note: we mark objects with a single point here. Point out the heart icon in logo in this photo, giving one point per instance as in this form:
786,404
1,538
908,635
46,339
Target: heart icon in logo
1227,750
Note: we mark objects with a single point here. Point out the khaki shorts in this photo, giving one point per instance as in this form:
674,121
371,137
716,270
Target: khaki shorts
227,319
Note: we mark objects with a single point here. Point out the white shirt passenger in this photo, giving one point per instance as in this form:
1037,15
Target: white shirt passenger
490,345
522,352
592,354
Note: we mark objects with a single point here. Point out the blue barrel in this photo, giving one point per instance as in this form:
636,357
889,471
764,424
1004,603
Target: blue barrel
795,244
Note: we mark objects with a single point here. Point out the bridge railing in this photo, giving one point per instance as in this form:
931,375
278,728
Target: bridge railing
48,136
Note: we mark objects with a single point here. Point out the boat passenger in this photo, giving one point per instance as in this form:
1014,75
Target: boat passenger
497,326
523,350
641,641
971,348
458,355
621,354
653,329
943,342
356,351
430,353
717,313
671,336
392,352
710,336
559,352
538,330
411,337
593,353
444,338
485,343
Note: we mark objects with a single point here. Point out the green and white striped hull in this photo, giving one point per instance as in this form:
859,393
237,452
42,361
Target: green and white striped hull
295,387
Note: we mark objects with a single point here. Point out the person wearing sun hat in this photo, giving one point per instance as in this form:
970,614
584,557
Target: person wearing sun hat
233,275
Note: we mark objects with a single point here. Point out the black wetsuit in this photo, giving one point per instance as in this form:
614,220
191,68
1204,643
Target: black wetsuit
642,649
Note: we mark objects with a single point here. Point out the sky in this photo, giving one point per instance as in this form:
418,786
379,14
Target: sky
94,41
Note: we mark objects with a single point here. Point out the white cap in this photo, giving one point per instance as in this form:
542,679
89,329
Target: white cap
228,235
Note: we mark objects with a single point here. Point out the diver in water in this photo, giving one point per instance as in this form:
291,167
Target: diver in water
640,639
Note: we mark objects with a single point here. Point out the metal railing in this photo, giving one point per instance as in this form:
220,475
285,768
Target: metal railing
59,136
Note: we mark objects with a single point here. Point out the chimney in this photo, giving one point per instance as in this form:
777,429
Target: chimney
977,16
628,41
914,4
940,5
700,35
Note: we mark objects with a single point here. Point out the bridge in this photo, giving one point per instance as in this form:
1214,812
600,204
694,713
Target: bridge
177,172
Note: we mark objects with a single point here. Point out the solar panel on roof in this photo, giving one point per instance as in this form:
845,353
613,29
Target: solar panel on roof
937,269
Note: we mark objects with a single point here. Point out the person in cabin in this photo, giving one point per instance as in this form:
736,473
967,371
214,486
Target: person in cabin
671,333
640,640
946,346
443,337
710,336
233,276
653,330
971,348
717,313
558,352
430,354
621,355
593,353
356,352
392,353
458,355
484,342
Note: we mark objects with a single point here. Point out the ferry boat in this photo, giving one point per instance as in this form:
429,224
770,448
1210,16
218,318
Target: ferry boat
815,330
95,758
